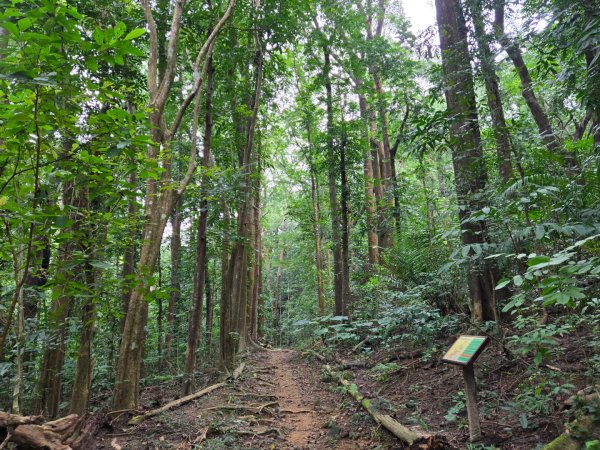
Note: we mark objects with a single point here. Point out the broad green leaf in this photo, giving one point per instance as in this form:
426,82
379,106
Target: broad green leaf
134,34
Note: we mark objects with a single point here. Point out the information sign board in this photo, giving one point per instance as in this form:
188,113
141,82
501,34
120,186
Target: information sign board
465,350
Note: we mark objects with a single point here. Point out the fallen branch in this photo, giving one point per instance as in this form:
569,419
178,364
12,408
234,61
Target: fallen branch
255,395
256,408
315,354
362,343
345,365
298,411
264,381
254,433
188,398
201,436
386,421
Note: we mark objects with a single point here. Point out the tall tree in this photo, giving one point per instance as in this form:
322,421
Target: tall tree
494,100
465,142
234,329
161,196
201,243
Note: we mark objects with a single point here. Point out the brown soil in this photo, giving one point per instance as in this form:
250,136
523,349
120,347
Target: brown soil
279,402
282,401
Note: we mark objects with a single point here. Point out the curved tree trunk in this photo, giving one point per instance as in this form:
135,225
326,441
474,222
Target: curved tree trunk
547,134
494,100
159,203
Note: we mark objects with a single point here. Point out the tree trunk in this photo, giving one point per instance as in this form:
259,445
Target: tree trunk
372,238
345,197
83,373
494,100
161,195
75,200
465,142
201,252
236,297
257,259
129,254
336,219
550,139
225,319
209,307
175,293
387,163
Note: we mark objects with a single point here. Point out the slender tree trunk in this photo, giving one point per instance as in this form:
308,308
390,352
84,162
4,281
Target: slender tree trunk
469,168
550,139
388,165
20,336
161,196
225,318
159,313
336,219
235,336
209,307
175,293
494,100
314,194
257,260
83,373
75,200
345,197
277,291
371,204
129,255
379,187
201,253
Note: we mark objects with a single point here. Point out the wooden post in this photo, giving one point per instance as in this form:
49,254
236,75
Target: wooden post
472,410
464,352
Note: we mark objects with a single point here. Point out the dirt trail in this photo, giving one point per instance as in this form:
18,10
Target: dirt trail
279,402
301,407
309,413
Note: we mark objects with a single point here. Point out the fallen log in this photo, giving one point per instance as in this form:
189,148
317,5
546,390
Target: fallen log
420,440
188,398
588,428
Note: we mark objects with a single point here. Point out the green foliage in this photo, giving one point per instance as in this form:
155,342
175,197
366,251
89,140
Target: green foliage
458,406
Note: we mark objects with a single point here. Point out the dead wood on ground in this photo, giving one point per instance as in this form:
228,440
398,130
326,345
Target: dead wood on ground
33,432
421,440
188,398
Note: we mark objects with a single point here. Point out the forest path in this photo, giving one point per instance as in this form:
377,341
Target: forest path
278,402
308,411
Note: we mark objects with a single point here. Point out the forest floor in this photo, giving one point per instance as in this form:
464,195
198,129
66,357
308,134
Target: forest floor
279,402
282,400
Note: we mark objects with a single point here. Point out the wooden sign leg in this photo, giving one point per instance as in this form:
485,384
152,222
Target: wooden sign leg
472,410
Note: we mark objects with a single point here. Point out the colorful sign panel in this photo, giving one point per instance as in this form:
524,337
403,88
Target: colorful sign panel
465,350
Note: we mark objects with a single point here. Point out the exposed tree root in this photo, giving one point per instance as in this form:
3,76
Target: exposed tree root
32,432
255,408
254,432
298,411
188,398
